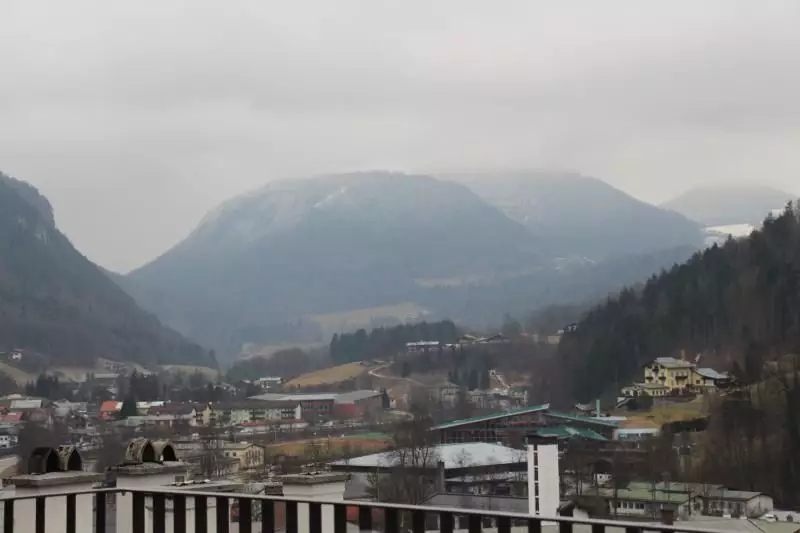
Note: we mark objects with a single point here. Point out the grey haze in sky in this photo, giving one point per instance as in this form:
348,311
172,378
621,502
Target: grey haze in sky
135,118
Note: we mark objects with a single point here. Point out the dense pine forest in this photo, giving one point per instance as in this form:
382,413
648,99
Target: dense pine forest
737,304
384,342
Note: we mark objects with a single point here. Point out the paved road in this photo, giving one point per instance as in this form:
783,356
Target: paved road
374,373
7,463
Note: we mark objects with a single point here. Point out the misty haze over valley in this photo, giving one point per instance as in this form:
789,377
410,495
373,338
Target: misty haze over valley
272,175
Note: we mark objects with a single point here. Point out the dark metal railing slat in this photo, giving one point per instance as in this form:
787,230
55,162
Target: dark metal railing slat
291,517
245,515
100,512
267,516
418,521
40,512
339,518
314,518
503,524
223,515
71,514
365,518
200,514
475,523
257,508
447,522
138,512
8,516
391,521
159,514
179,513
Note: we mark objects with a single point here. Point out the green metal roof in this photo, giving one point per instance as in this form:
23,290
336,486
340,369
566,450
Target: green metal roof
581,418
494,416
567,432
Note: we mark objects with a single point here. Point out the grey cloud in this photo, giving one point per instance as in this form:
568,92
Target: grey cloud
135,118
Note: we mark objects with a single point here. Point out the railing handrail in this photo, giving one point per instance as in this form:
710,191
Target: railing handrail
87,492
453,511
429,509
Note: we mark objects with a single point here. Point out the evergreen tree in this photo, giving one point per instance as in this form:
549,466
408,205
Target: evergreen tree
128,408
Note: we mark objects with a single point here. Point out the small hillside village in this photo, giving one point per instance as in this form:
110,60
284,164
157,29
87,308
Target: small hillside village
514,457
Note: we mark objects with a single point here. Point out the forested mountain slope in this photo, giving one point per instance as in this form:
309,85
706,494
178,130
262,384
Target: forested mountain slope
737,304
56,302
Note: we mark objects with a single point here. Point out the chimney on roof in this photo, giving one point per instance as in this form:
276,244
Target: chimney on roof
544,482
439,485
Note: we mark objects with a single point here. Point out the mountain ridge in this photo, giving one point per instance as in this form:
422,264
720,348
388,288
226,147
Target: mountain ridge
263,264
582,214
56,302
729,204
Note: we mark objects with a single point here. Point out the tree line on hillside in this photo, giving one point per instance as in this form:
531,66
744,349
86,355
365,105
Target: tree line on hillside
753,438
385,342
286,364
726,302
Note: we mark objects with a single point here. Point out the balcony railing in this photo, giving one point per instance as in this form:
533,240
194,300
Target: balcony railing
169,511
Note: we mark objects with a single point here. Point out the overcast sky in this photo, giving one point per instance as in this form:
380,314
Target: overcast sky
135,118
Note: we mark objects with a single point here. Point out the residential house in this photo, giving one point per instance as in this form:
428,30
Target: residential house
674,374
709,379
445,394
255,411
176,414
722,502
423,346
8,439
360,403
314,407
647,500
109,409
668,375
248,455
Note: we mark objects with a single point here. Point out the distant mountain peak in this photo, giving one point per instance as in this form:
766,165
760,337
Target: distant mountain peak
583,215
741,203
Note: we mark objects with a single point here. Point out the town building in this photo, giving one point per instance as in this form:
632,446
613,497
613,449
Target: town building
649,500
248,456
324,406
670,376
255,411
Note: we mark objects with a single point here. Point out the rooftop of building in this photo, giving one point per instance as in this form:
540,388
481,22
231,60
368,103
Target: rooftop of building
462,455
490,417
340,397
568,432
599,421
640,494
710,373
240,445
52,479
672,362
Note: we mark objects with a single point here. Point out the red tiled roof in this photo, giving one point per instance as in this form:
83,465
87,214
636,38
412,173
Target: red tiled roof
12,417
108,406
